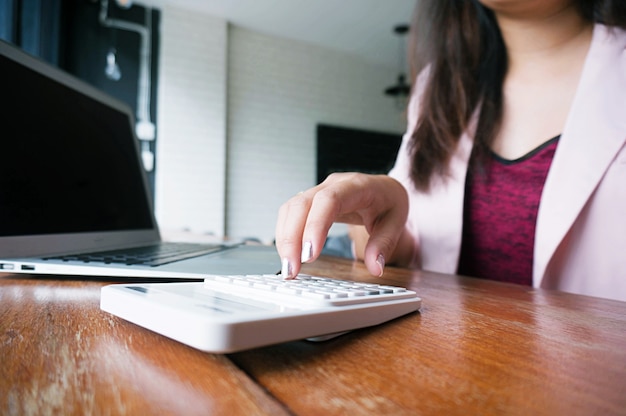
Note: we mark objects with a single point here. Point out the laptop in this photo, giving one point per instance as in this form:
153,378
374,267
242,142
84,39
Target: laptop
73,192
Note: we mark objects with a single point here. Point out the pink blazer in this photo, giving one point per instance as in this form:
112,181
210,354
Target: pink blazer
580,241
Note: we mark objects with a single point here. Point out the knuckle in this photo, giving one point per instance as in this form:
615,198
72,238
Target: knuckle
287,244
330,199
387,243
286,241
296,202
342,176
333,177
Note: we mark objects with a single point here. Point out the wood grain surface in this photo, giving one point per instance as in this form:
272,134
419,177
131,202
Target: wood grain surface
476,347
60,354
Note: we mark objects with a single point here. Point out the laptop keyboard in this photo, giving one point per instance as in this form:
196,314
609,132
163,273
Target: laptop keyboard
155,255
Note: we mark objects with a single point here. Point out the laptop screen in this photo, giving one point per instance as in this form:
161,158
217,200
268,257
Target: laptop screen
69,158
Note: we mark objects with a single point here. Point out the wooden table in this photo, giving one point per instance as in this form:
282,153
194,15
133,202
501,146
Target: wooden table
476,347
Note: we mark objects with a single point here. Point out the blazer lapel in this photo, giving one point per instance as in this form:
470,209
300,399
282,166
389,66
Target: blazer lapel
594,133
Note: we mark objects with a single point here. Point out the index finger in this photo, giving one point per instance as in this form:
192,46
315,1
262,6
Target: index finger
292,217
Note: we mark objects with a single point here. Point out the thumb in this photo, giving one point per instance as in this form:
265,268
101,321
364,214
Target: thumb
380,247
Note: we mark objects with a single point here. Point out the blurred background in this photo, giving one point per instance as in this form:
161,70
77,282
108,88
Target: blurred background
239,104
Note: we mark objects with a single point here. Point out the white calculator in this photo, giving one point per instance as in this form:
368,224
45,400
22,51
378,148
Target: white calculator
227,314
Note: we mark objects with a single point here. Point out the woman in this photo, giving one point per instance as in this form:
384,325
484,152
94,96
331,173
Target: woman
514,164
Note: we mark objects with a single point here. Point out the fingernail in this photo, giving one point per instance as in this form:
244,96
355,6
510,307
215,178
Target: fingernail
380,260
307,252
286,269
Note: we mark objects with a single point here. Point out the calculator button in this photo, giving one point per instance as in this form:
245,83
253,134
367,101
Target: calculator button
304,289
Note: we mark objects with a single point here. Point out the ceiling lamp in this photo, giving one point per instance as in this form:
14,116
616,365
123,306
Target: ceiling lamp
144,128
401,88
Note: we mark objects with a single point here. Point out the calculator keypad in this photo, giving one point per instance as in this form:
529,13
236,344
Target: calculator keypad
305,289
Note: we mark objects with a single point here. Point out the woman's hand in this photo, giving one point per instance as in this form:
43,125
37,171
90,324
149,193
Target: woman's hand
377,202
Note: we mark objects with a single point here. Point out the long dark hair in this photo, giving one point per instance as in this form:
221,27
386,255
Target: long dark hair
459,46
